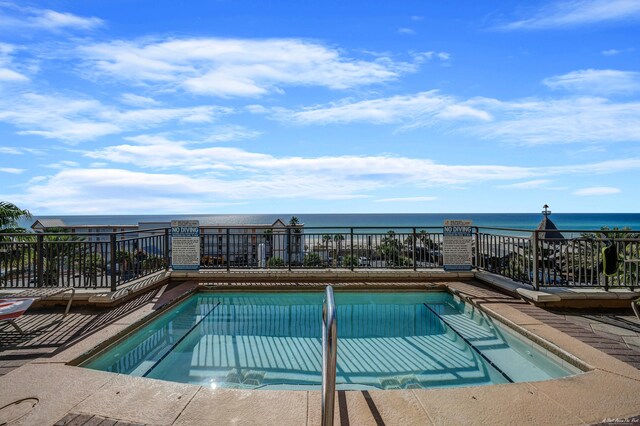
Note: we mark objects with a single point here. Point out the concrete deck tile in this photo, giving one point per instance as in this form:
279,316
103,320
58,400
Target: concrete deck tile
86,344
57,387
244,407
585,352
138,400
67,419
514,315
595,395
632,341
371,408
513,404
607,328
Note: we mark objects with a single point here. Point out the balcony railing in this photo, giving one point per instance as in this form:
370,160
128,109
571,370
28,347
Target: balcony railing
108,260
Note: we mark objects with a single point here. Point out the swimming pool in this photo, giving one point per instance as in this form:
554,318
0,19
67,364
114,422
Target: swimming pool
258,340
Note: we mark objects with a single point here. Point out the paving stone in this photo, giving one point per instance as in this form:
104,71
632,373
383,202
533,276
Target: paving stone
608,328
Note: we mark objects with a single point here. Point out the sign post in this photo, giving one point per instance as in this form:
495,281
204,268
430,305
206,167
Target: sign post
185,245
457,245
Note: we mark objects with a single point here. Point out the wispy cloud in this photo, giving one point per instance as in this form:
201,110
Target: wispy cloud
417,110
406,199
7,68
600,82
13,16
12,170
559,121
137,100
570,13
10,150
81,119
596,190
197,173
236,67
406,31
537,183
229,133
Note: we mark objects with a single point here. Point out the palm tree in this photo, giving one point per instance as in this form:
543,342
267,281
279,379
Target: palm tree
10,214
14,258
338,238
325,239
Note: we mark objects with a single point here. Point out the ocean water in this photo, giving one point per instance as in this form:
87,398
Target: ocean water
580,221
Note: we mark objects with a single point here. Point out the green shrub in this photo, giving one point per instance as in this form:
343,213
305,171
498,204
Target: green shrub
275,262
312,260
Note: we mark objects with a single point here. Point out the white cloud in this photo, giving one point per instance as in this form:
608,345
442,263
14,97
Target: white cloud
12,170
596,190
569,13
198,175
537,183
80,119
7,67
51,20
236,67
10,75
559,121
137,100
605,82
15,17
420,57
611,52
406,31
230,133
61,165
421,109
526,121
406,199
10,150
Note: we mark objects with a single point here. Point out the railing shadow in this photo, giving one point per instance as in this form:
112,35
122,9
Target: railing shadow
46,335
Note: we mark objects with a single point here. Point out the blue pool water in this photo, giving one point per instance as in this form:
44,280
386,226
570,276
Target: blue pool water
273,341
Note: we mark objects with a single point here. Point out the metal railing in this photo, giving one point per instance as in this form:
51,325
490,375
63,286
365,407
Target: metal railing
576,261
329,356
321,247
81,260
108,260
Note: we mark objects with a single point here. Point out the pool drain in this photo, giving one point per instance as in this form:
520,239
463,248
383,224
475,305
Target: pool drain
17,409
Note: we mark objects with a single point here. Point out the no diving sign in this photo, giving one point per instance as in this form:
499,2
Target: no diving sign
458,246
185,245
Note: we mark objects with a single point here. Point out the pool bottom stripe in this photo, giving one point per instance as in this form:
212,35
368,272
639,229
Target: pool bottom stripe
469,343
179,341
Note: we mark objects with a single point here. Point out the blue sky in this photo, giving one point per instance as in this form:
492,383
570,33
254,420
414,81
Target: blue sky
114,107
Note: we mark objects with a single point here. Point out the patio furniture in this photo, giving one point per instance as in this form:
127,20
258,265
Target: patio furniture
42,293
12,309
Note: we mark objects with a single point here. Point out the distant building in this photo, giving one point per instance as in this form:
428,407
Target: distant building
248,244
550,228
87,232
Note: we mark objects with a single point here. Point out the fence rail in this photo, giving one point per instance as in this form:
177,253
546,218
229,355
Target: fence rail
108,260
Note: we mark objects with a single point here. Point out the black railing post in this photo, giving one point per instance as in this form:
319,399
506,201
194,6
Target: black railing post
351,251
166,249
536,280
477,242
289,247
413,250
113,277
227,255
40,260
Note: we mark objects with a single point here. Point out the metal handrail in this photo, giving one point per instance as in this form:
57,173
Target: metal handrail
329,354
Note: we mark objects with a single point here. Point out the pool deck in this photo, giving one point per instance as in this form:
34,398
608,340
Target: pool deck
35,370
